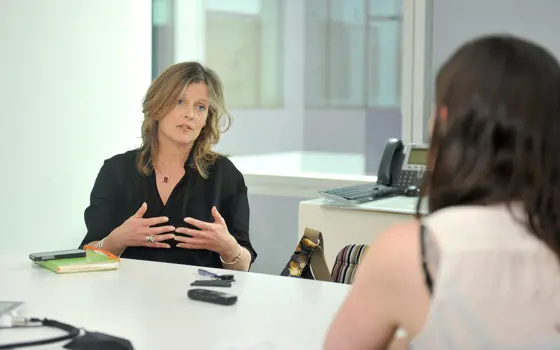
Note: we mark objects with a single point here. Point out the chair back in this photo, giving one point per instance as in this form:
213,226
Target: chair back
346,262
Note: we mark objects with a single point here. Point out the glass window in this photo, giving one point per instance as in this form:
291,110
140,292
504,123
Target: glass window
384,62
353,53
385,8
240,39
313,85
162,35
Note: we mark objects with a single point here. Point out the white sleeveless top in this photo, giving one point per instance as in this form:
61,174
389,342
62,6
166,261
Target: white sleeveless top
496,286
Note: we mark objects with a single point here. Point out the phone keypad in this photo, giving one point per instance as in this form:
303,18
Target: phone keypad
406,179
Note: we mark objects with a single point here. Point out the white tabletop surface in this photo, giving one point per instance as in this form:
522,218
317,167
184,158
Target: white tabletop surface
146,303
396,205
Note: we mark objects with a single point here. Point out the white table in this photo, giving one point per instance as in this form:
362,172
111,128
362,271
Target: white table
146,303
354,225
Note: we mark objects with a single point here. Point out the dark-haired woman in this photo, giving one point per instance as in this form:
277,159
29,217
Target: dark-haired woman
482,269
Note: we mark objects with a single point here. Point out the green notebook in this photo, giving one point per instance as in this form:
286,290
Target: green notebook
93,261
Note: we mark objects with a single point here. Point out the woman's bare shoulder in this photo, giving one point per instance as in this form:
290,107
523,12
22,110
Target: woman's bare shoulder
398,239
393,257
402,230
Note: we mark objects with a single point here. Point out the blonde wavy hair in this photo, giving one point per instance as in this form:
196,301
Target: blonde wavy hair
162,96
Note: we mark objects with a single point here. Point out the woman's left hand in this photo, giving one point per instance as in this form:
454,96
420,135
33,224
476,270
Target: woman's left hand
211,236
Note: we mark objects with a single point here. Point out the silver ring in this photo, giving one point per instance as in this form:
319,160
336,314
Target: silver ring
150,239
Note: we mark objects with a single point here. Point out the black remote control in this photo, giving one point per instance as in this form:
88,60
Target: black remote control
211,283
211,296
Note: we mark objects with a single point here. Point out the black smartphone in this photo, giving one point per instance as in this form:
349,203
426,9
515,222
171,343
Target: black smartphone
230,278
62,254
211,296
211,283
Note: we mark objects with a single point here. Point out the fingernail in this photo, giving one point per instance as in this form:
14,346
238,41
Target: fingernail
167,246
187,219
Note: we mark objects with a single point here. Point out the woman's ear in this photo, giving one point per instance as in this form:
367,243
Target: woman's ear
437,113
442,114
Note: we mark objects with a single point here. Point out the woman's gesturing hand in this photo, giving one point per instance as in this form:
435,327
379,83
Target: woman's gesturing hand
138,231
211,236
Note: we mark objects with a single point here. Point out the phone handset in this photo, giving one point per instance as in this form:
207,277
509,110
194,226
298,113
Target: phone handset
392,154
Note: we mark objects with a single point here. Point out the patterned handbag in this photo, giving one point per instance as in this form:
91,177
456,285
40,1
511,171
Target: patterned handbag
308,260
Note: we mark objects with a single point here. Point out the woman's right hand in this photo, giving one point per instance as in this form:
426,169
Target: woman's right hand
135,230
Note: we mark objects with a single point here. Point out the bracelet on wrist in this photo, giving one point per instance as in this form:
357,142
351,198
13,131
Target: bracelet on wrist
100,243
235,260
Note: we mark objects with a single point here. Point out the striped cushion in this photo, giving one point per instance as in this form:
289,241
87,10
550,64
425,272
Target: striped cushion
346,262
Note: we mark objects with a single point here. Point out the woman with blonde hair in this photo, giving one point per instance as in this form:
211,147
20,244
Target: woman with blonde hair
174,199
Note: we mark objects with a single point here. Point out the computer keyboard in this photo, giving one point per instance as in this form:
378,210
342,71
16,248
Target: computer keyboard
361,193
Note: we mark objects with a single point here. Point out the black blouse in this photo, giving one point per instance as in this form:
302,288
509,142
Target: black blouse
120,190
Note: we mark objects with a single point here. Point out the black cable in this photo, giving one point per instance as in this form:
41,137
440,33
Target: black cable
72,332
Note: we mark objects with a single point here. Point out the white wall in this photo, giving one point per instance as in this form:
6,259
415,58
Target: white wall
457,21
72,77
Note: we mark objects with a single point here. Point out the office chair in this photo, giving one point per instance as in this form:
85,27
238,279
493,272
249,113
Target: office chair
346,263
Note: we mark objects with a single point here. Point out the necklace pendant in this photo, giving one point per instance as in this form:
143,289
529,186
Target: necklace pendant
165,179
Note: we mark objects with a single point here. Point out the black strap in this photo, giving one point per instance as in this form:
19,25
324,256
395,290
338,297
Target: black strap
427,276
71,333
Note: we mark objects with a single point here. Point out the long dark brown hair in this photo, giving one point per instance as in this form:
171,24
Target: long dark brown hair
500,139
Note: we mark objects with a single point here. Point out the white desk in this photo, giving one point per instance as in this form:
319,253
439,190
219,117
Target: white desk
146,303
353,225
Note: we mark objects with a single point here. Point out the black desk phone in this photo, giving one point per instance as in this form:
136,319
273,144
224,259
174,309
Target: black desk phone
400,172
402,166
